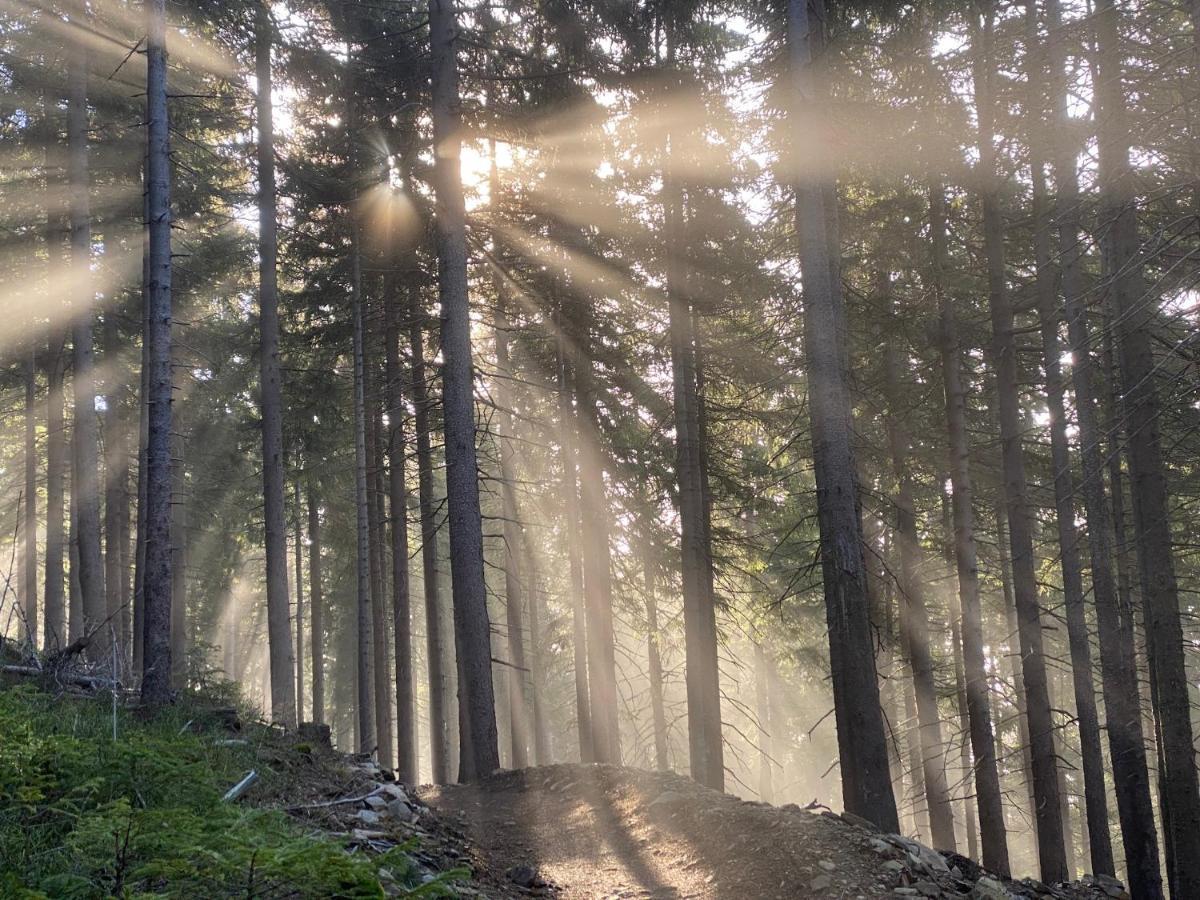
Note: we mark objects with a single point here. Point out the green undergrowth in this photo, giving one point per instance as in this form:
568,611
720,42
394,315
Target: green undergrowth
83,815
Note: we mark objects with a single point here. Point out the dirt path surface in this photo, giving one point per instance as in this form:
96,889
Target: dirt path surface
604,832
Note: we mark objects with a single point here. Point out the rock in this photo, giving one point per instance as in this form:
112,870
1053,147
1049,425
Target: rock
927,889
828,865
524,876
989,889
820,883
401,811
376,802
894,867
920,857
392,791
852,819
904,892
368,817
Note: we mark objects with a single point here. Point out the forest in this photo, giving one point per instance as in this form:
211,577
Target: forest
801,396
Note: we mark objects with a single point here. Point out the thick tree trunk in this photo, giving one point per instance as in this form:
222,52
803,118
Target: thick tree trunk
987,780
139,557
1060,457
85,487
435,649
480,755
1151,507
1051,850
316,592
914,617
862,744
279,635
180,502
570,492
156,639
406,714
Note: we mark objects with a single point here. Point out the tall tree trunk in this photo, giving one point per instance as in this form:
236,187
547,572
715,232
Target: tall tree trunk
366,735
406,714
435,649
1060,456
382,665
654,656
862,744
298,537
762,711
543,754
1014,666
706,754
1051,850
29,550
518,693
570,492
85,488
595,555
55,634
156,639
180,502
116,480
143,406
481,756
1135,309
279,635
316,592
914,617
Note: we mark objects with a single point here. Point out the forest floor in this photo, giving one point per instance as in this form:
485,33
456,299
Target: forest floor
604,832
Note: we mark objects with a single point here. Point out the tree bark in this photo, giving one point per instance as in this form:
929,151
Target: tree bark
156,640
480,756
85,487
298,537
1180,793
435,649
570,491
406,719
993,838
914,617
29,549
55,635
862,744
382,665
279,635
116,486
1096,800
1051,849
706,750
316,591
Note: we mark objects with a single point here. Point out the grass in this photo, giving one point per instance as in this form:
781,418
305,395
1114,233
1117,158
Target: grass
84,816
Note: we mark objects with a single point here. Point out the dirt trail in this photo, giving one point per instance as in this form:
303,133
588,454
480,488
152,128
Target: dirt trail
605,832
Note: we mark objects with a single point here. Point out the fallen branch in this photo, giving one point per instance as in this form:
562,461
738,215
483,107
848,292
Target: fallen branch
89,681
338,802
235,792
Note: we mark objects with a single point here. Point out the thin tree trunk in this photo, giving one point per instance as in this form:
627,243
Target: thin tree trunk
406,715
298,537
435,649
706,754
762,707
1060,457
914,616
382,665
29,550
862,744
543,753
1180,792
85,488
1051,850
116,498
518,694
156,640
570,492
480,756
139,558
279,635
55,634
653,652
316,592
